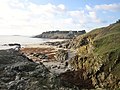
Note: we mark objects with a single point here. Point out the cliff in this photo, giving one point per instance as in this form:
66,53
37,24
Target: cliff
60,34
97,62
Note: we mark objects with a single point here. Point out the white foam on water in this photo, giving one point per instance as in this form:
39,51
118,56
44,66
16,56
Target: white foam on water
23,40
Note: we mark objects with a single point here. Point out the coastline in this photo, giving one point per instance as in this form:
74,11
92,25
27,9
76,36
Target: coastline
46,53
17,72
49,55
24,41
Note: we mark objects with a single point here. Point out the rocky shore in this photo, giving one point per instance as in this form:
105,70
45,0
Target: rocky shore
89,61
57,61
54,58
96,64
18,72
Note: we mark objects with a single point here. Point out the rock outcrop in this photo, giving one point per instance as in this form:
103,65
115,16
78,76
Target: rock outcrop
61,55
97,62
60,34
17,72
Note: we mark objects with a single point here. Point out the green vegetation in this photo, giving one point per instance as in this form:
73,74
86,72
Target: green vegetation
107,45
108,39
98,52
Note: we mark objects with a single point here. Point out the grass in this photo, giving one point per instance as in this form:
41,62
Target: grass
106,39
100,56
112,62
107,45
106,42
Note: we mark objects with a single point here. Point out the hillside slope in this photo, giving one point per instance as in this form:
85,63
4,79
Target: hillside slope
97,59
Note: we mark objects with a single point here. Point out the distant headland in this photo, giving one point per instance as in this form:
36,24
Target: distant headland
60,34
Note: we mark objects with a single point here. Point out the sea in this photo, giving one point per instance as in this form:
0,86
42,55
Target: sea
23,40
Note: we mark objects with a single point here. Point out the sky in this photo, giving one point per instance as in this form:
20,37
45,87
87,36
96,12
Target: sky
32,17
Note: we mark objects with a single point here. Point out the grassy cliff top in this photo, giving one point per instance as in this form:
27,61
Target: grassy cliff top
101,42
106,39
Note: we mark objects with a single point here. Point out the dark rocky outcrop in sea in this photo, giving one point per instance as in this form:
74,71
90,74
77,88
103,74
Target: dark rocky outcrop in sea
17,72
60,34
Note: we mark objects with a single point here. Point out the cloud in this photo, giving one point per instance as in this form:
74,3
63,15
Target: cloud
108,7
68,21
28,18
104,9
94,17
24,16
88,8
61,7
79,16
83,17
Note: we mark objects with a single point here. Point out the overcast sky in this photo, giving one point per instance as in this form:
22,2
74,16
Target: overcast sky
32,17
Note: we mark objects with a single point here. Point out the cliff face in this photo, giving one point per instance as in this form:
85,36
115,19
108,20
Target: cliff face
97,62
60,34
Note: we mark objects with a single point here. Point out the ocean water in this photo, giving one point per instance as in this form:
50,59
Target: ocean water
23,40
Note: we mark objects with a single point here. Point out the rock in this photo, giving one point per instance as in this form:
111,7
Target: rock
41,56
15,44
98,53
61,55
54,66
76,78
19,73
